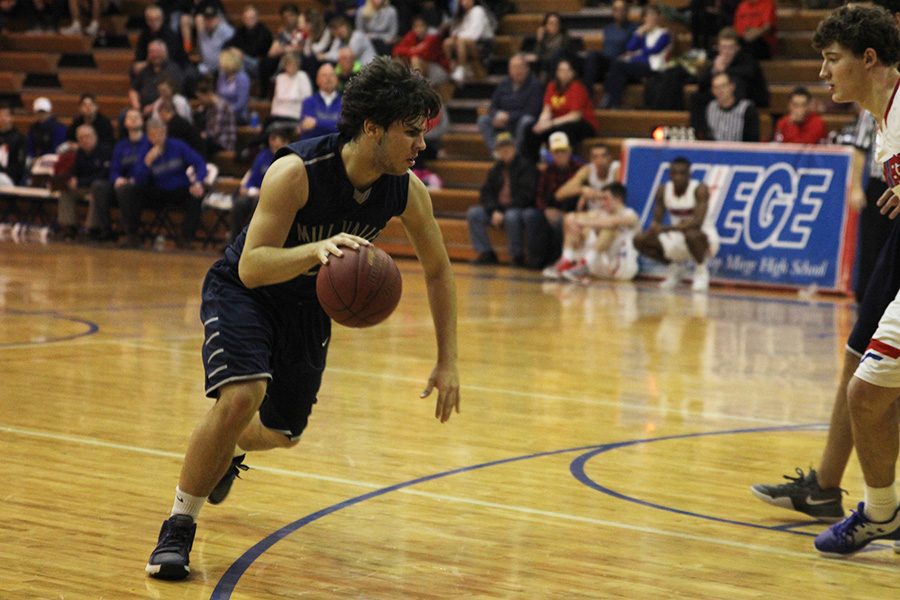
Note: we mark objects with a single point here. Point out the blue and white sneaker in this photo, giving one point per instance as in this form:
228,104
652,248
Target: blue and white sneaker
171,557
856,531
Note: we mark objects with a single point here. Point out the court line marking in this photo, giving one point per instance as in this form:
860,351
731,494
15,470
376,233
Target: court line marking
484,389
379,489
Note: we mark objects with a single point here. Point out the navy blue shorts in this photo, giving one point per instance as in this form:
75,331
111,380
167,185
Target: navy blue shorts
881,291
247,336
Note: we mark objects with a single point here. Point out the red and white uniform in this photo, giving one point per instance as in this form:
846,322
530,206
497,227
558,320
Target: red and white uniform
880,363
681,208
620,260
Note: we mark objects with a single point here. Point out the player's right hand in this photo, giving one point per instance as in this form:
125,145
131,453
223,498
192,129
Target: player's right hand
889,204
332,245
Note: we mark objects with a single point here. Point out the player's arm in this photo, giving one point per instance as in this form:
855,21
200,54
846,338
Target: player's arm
422,230
659,213
572,187
701,205
599,220
265,260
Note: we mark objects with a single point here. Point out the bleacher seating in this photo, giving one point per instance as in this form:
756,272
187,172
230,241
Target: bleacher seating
62,67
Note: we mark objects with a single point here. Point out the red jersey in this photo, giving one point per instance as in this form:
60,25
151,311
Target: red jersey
756,14
811,131
575,97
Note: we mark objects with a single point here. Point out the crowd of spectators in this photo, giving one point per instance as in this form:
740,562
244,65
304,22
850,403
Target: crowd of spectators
196,74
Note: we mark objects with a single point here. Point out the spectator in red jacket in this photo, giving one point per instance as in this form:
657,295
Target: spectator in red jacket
567,108
801,125
423,51
755,22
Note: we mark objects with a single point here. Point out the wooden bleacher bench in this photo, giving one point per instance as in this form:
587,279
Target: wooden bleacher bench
114,61
805,19
29,62
79,81
67,104
46,42
453,201
521,23
798,70
461,173
462,145
542,6
795,44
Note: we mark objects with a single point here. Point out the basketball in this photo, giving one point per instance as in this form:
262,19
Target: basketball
361,288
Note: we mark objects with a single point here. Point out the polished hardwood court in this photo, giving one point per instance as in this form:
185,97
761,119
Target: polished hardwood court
607,440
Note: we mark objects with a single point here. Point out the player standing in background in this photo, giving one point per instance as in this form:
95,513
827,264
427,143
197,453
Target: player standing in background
266,336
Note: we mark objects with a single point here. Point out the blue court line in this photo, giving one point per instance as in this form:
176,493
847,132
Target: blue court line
232,575
92,327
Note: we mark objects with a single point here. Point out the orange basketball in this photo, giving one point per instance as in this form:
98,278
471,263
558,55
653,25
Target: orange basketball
361,288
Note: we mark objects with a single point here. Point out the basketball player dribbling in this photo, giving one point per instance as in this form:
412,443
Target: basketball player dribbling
266,336
860,47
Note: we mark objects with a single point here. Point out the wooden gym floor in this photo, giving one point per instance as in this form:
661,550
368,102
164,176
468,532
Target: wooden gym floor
607,440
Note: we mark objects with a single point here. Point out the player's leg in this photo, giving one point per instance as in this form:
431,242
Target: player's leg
872,394
648,244
818,493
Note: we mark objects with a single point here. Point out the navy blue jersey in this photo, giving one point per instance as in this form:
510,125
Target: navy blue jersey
334,206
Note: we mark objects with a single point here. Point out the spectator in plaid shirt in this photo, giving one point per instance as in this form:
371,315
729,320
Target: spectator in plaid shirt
216,121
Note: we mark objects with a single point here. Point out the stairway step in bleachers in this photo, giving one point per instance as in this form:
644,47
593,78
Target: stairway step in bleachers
114,60
393,240
11,83
461,173
804,20
796,44
802,71
453,202
464,145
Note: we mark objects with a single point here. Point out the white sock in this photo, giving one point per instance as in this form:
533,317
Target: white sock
881,503
238,451
569,254
185,504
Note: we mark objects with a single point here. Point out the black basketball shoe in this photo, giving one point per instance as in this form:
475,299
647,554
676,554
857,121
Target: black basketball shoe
804,495
220,492
171,557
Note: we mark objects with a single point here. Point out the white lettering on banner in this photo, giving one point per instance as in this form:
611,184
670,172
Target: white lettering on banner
768,207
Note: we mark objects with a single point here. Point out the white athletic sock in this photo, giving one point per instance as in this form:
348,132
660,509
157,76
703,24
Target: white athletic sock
881,503
185,504
569,254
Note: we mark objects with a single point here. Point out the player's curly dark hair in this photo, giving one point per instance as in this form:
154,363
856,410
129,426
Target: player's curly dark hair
857,27
385,92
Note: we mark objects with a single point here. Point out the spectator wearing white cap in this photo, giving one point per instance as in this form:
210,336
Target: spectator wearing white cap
45,134
562,167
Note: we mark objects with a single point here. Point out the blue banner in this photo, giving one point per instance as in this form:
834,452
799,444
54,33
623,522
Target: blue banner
779,209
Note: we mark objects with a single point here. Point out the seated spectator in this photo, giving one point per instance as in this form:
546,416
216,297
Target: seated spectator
646,52
422,51
515,104
317,40
377,20
344,36
688,237
127,153
215,120
13,10
247,196
552,42
470,39
801,125
755,22
89,114
567,108
211,38
615,43
591,179
168,95
46,15
507,202
155,29
253,39
322,111
12,150
144,92
745,72
288,38
708,18
599,242
46,134
554,206
179,128
292,87
347,66
726,118
88,180
233,84
191,19
161,179
94,8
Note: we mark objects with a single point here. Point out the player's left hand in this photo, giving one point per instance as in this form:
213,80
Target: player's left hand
889,204
446,380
